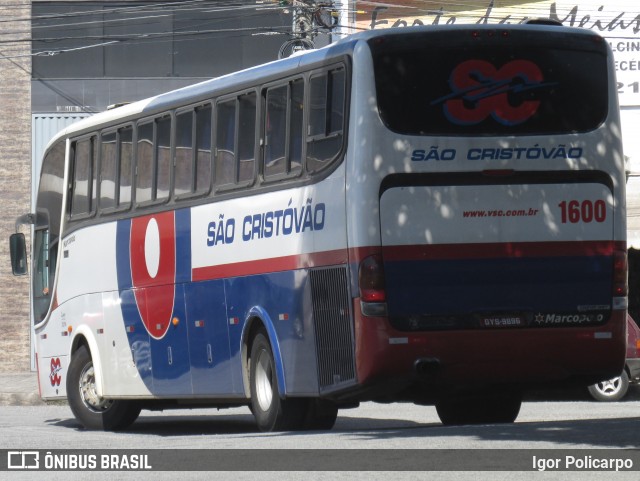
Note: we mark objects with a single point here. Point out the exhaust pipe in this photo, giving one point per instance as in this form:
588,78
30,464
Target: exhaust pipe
426,366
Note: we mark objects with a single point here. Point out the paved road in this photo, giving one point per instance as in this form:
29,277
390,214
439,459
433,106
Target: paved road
552,425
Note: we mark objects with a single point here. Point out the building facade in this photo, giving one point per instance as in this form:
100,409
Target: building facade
15,177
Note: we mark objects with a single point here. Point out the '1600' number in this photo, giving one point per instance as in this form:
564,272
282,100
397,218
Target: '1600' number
586,211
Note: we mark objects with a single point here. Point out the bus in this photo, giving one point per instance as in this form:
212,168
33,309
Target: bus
432,215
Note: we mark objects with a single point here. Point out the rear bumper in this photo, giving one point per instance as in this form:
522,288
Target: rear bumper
467,359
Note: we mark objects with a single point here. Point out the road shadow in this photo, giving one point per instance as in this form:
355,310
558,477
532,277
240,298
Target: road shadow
180,424
597,433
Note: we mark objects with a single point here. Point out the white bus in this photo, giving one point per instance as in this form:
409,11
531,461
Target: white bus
432,215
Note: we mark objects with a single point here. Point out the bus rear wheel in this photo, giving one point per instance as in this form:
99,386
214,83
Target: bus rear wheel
497,406
272,413
95,412
321,415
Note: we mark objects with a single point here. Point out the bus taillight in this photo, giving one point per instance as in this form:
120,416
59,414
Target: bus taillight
371,283
371,279
620,283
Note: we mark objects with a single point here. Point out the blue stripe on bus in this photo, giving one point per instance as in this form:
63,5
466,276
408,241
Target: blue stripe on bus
201,355
183,245
123,259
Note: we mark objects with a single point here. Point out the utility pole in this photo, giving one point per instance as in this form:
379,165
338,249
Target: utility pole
310,17
345,10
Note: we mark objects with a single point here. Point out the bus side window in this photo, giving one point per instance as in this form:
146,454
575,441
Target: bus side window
144,163
125,159
192,174
108,170
184,165
246,137
203,149
42,274
276,131
115,168
225,143
318,106
284,130
296,126
163,157
153,160
326,118
84,171
47,229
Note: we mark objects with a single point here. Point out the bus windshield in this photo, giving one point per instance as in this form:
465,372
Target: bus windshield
490,83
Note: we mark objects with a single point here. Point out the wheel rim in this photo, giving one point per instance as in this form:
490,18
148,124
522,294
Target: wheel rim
88,392
264,387
610,387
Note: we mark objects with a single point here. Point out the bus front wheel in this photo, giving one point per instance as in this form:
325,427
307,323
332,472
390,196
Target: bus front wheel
272,413
95,412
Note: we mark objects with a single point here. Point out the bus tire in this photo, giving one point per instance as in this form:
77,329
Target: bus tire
611,389
272,413
91,410
321,415
493,407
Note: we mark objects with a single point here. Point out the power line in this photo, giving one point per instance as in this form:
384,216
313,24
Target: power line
152,14
202,5
194,9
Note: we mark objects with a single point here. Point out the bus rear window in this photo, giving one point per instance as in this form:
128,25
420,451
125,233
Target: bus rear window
460,82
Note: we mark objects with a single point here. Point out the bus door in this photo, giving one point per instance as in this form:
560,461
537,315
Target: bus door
208,338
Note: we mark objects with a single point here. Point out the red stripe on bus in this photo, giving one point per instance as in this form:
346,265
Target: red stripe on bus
502,250
275,264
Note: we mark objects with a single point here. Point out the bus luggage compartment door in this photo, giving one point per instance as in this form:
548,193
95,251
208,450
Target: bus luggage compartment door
507,255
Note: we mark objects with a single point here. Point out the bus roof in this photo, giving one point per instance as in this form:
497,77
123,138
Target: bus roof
205,90
273,70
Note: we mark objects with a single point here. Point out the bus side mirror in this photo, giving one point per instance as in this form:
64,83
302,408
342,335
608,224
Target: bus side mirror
18,249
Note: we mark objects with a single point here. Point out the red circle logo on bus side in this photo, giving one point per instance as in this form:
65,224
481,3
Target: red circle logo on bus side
153,269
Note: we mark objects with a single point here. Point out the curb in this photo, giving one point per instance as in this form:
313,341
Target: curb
19,389
21,399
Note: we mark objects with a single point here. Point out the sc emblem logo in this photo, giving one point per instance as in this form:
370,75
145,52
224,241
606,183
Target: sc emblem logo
480,90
